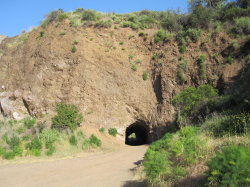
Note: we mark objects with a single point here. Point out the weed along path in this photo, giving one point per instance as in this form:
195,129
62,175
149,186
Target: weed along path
99,170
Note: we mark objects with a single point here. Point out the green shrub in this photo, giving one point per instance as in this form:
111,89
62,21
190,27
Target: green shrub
20,130
193,34
75,42
34,147
141,34
242,25
51,150
162,35
42,34
89,15
27,137
29,122
182,49
73,49
130,57
68,117
8,155
235,44
102,130
113,132
230,167
229,60
134,67
49,137
182,68
121,43
145,76
105,24
73,140
94,141
138,61
190,98
13,142
53,16
202,66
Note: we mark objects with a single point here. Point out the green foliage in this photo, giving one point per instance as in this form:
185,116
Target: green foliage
104,24
42,34
29,122
53,17
13,142
73,49
68,117
190,98
113,132
182,68
75,42
201,17
166,160
73,140
121,43
89,15
230,167
138,61
134,67
229,60
242,26
145,76
202,66
193,34
182,49
34,147
49,137
94,141
162,35
235,44
102,130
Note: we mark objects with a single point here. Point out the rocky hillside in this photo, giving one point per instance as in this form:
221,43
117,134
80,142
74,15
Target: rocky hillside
115,75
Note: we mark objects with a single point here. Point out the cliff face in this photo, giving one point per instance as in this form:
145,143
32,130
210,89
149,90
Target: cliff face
41,68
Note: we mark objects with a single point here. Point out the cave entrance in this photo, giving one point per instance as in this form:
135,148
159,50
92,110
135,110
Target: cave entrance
137,133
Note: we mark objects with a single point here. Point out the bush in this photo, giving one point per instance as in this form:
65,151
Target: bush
89,15
202,66
49,137
242,25
68,117
105,24
29,122
182,68
162,35
230,167
102,130
75,42
73,49
34,147
113,132
134,67
182,49
190,98
94,141
57,15
229,60
145,76
13,142
193,34
73,140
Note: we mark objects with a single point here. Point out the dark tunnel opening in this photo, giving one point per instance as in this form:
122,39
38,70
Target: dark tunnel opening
137,134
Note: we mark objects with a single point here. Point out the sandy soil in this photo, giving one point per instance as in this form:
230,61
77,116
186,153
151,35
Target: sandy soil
99,170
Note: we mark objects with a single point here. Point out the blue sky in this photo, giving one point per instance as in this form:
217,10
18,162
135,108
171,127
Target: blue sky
19,15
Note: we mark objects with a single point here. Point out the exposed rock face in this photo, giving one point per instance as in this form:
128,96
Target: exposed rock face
98,76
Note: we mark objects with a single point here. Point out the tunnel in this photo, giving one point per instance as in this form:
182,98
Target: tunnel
137,133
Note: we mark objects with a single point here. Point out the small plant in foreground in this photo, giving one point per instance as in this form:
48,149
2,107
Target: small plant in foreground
73,140
230,167
145,76
113,132
94,141
29,122
73,49
134,67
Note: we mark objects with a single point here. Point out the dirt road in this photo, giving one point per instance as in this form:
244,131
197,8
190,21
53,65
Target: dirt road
100,170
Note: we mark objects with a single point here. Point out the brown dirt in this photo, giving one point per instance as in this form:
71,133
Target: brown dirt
99,169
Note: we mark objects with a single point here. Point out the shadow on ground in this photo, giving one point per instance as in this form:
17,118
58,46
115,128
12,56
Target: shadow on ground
134,184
